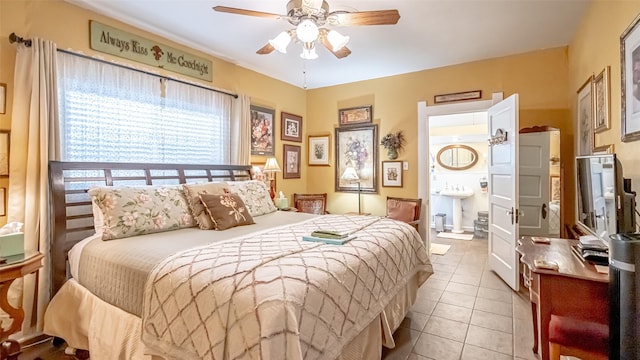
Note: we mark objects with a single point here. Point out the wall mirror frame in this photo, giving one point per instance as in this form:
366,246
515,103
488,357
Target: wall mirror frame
457,157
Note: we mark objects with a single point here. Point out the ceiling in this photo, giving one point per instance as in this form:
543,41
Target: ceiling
429,34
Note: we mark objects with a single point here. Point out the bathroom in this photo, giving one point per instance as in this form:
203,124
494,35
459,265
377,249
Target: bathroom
459,171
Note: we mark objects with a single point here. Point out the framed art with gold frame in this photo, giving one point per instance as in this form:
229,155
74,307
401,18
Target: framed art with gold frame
319,150
630,72
601,101
584,112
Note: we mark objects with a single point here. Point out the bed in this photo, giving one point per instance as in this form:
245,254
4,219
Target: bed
248,292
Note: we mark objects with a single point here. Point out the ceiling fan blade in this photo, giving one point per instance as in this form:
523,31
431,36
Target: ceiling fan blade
379,17
231,10
267,49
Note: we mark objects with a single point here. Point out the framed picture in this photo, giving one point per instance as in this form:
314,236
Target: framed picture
262,134
585,118
459,96
392,173
601,101
4,152
291,127
3,201
291,155
318,150
355,115
603,149
357,147
3,98
554,188
630,71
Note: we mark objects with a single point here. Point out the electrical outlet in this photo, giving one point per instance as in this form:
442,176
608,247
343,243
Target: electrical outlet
405,165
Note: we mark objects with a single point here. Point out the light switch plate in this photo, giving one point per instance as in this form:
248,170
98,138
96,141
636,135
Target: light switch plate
405,165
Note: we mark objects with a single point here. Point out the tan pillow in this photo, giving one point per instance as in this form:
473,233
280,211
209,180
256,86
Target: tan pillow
226,210
401,210
193,191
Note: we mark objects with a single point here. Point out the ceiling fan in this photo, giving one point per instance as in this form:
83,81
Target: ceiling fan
308,16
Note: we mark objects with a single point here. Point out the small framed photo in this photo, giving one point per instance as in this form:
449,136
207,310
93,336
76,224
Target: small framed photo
603,149
3,98
262,134
3,201
554,188
291,155
355,115
4,152
630,70
601,101
318,151
392,173
585,118
290,127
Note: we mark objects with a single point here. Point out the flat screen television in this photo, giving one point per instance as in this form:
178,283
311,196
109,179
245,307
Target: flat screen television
605,202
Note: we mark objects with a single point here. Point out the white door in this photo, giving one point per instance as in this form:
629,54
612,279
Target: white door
503,191
534,183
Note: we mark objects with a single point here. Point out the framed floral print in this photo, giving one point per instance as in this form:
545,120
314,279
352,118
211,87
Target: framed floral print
601,101
357,147
291,155
630,70
318,150
392,173
262,131
585,118
290,127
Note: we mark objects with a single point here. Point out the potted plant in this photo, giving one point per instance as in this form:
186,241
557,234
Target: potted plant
393,142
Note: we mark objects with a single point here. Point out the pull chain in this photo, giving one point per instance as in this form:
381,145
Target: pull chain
304,74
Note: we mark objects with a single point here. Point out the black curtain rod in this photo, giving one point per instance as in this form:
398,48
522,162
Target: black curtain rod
27,42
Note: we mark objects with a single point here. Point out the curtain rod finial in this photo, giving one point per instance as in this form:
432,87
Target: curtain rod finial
15,38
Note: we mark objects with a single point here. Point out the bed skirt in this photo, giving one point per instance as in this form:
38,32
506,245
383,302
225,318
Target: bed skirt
85,321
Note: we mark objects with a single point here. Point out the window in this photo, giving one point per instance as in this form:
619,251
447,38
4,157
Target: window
110,113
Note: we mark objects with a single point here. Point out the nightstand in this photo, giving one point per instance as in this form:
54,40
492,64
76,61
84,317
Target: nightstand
15,267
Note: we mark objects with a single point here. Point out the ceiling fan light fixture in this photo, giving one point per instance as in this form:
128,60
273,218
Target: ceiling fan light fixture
309,51
337,40
281,42
307,31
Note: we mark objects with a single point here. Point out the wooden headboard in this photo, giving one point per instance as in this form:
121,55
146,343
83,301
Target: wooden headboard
70,210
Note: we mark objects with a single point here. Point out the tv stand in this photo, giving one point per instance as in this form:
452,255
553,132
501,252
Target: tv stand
576,289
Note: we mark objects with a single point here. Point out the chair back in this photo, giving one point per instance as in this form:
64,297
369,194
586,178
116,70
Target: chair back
311,203
404,209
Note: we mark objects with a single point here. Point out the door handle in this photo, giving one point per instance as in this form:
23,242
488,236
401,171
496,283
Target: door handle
544,210
510,212
517,214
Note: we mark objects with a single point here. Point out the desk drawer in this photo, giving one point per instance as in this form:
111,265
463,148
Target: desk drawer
531,280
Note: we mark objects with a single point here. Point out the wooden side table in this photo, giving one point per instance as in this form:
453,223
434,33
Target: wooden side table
16,267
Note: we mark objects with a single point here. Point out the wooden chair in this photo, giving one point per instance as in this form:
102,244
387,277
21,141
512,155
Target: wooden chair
403,209
311,203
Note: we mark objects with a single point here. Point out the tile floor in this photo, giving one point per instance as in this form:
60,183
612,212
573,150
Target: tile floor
465,311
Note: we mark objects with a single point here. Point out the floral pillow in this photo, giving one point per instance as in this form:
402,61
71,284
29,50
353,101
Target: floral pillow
226,210
130,211
193,192
255,195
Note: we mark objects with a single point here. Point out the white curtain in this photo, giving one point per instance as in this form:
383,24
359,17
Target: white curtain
241,131
34,134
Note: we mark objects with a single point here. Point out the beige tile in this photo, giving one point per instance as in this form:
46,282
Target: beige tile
462,288
490,339
521,306
469,270
437,348
404,338
471,352
449,258
492,306
415,320
493,281
523,339
444,268
414,356
463,300
435,283
492,321
430,293
466,279
452,312
447,329
441,275
424,306
493,294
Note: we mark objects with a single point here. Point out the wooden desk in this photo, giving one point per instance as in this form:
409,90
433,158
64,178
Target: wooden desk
15,268
575,290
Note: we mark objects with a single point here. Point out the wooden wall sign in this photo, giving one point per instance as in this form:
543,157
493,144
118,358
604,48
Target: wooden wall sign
120,43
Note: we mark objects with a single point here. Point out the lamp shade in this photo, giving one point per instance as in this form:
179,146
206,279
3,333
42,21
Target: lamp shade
281,42
350,174
309,51
337,40
271,165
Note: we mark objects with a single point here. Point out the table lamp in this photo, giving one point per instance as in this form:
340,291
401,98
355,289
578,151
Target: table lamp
351,175
270,167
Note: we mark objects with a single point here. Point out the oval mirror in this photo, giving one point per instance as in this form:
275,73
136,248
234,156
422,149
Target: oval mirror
457,157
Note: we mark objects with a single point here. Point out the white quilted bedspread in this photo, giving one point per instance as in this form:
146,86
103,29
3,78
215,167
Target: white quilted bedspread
271,295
